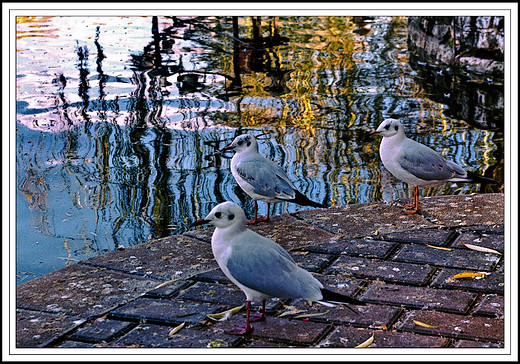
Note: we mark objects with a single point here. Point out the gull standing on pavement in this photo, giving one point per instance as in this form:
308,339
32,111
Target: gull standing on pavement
417,164
260,267
261,178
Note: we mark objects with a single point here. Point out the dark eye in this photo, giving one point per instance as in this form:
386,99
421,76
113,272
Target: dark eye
387,126
240,142
218,215
231,216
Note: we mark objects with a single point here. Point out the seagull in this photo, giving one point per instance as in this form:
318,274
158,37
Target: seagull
417,164
261,178
260,267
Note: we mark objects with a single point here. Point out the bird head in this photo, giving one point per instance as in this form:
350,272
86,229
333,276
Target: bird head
241,143
388,128
224,215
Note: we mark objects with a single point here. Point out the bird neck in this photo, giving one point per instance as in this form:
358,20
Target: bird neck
227,233
394,139
251,150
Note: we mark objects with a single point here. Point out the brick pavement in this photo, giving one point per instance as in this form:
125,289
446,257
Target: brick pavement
401,265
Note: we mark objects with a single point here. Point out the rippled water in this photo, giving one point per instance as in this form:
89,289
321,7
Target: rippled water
119,122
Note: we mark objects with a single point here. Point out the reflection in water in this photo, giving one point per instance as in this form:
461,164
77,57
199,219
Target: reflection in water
120,122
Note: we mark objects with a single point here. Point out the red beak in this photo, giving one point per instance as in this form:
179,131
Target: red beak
229,147
375,132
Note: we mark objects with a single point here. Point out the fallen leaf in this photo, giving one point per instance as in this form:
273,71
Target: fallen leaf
167,283
216,344
476,275
366,343
438,247
312,314
425,325
291,310
223,316
481,248
176,329
384,327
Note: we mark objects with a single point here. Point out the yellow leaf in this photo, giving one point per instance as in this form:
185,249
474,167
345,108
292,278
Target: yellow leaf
176,329
222,316
367,343
167,283
424,325
384,327
481,249
291,310
438,247
312,314
476,275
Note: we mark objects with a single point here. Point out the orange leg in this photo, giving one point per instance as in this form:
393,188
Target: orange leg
413,208
261,219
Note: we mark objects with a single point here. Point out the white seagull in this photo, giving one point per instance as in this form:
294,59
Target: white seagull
417,164
260,267
261,178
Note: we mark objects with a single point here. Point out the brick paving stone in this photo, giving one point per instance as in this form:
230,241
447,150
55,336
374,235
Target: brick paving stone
270,344
278,329
476,344
168,290
464,210
358,247
491,283
388,271
164,312
214,293
203,233
82,290
373,316
291,233
350,337
214,275
433,236
341,283
156,336
455,326
311,261
103,330
491,241
78,345
491,305
483,229
456,258
419,297
362,220
37,329
160,258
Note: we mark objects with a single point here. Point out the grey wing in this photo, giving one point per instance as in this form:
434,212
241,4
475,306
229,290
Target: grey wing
425,163
269,269
267,178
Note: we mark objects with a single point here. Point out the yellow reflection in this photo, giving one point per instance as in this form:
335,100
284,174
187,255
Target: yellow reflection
38,27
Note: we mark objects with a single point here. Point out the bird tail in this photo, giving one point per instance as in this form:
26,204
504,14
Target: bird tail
331,299
303,200
479,179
